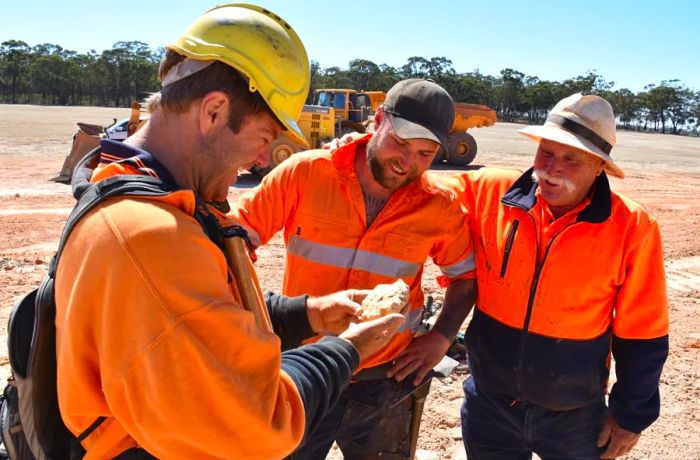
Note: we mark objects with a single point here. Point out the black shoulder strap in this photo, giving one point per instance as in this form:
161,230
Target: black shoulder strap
95,194
90,195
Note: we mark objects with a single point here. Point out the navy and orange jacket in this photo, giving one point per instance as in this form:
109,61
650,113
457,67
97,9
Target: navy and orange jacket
151,335
557,295
315,197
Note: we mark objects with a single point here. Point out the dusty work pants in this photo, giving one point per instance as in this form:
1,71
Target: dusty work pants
494,427
372,419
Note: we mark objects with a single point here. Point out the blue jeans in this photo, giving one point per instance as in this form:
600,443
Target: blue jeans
372,419
494,427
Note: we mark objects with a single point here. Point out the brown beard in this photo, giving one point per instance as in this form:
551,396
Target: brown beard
378,170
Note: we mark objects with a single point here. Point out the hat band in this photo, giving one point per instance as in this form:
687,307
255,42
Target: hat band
582,131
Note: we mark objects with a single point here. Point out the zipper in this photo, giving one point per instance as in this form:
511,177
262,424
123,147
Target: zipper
509,244
530,302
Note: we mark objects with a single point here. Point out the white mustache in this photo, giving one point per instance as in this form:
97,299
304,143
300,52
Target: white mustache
538,175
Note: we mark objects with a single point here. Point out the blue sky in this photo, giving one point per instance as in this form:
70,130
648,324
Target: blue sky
632,43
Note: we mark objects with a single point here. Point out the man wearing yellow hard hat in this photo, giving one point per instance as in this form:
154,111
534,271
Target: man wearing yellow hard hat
156,357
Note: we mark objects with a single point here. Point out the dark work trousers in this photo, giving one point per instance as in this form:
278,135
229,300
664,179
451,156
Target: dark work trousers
372,419
494,427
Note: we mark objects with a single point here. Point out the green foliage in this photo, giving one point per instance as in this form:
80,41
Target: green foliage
49,74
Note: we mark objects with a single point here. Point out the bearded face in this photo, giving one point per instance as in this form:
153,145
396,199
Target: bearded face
395,162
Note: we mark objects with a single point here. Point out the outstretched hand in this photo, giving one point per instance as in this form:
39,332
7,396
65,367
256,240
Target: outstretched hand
371,336
333,313
421,355
619,440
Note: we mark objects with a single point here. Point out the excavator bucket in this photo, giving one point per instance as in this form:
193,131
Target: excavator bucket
88,137
84,140
472,116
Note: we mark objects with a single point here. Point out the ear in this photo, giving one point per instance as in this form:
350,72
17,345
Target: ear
213,111
601,168
378,116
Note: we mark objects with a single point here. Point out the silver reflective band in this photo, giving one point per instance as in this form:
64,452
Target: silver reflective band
350,258
184,69
461,267
412,322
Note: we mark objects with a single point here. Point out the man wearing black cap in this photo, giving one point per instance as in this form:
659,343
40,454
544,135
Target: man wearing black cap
365,214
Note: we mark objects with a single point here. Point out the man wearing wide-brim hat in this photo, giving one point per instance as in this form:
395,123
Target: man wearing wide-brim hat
569,273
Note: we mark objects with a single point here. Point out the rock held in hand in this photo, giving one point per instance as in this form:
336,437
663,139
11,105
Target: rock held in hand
385,299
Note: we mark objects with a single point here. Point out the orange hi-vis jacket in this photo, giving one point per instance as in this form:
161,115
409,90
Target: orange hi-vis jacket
555,296
151,335
316,198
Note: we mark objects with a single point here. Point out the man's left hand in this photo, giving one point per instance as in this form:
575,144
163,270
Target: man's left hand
334,312
619,440
421,355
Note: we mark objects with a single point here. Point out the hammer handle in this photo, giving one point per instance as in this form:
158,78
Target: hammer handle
247,281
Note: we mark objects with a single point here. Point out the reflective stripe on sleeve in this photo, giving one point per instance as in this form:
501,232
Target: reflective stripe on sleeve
350,258
461,267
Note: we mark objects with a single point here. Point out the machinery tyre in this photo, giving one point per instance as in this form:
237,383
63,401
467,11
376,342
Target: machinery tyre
461,149
280,150
439,156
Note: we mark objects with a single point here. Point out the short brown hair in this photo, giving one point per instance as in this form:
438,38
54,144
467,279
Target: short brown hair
217,77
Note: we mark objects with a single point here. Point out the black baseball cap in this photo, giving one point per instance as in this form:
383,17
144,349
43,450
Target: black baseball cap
420,109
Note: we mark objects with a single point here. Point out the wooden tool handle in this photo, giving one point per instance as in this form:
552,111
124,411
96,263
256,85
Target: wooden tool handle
247,281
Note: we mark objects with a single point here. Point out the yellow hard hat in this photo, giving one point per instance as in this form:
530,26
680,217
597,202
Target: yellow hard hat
261,46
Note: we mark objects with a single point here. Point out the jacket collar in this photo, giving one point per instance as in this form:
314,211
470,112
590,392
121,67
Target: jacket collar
118,152
522,194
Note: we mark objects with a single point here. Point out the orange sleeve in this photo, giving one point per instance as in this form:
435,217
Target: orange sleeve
151,336
641,310
264,210
461,183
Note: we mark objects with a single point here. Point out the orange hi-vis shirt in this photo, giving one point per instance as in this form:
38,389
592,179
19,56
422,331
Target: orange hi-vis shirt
145,315
315,197
588,270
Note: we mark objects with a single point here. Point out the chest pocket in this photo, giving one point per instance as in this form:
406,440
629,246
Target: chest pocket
326,230
407,248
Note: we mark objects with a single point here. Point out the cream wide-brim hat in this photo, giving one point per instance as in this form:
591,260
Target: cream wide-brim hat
586,123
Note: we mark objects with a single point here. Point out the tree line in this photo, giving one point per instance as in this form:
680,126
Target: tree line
49,74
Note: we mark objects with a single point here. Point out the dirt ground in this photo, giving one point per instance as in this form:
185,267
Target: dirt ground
663,173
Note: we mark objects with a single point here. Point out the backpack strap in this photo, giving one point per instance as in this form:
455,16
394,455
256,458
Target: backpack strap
90,195
95,194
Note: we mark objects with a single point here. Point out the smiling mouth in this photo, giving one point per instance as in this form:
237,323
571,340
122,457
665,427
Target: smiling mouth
397,170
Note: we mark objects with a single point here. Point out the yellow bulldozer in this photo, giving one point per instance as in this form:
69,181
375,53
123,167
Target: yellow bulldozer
335,112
